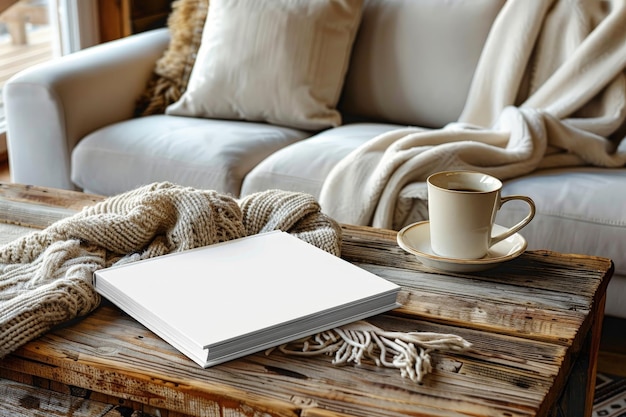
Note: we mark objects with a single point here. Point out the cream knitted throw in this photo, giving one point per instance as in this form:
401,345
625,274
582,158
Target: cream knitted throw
46,276
549,91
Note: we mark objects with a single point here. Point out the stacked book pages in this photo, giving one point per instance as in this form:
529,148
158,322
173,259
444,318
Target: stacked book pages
224,301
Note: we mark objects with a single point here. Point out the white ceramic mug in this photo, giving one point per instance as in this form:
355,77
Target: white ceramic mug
462,207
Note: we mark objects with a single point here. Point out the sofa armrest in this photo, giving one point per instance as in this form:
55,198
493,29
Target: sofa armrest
51,106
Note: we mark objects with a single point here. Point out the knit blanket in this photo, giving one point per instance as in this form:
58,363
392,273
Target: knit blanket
46,275
549,91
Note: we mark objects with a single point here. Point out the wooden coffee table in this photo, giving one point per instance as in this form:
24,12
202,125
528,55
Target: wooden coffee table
534,322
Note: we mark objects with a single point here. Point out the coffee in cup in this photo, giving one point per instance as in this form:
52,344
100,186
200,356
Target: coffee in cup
462,207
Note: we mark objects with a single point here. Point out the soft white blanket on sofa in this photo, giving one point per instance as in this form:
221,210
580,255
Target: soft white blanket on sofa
549,90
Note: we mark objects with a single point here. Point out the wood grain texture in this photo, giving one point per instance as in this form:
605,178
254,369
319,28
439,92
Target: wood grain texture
531,322
20,400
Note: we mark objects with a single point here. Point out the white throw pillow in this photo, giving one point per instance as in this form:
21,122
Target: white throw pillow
278,61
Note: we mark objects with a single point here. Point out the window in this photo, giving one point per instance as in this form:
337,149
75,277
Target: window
34,31
26,38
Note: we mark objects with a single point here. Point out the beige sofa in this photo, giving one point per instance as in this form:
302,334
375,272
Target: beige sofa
71,125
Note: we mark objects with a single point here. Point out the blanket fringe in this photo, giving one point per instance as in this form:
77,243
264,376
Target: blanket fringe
407,351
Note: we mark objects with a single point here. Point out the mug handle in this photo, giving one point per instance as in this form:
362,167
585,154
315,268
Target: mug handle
518,226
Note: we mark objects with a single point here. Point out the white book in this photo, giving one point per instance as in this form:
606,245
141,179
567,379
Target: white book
231,299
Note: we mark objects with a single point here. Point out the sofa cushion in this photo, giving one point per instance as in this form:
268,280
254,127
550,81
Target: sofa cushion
579,210
280,61
304,165
425,84
211,154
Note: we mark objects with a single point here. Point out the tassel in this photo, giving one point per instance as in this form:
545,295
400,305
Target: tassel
409,352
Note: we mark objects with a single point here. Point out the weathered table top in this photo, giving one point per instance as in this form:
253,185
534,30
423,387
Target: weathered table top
534,324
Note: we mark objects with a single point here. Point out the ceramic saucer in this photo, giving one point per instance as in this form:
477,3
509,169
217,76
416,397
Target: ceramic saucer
415,239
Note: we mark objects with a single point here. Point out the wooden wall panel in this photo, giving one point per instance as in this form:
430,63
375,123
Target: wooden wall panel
119,18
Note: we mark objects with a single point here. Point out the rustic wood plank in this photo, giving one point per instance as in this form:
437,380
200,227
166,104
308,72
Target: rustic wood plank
503,307
39,207
23,400
587,366
121,405
49,197
489,374
14,376
32,216
528,296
